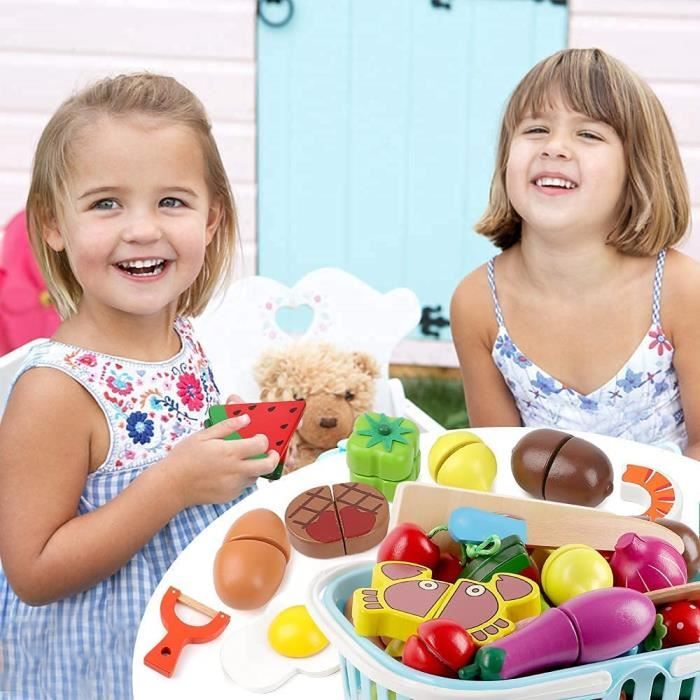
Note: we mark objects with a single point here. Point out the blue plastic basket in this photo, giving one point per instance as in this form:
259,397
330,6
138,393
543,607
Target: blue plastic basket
371,674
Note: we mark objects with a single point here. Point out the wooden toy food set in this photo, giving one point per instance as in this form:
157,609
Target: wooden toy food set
456,591
590,646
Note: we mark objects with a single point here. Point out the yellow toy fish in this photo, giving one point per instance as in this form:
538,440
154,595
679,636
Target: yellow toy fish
403,595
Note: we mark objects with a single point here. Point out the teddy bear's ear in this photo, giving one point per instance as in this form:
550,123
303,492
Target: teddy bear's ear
267,371
366,364
262,369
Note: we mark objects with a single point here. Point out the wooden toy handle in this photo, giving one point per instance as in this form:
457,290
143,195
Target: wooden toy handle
688,591
164,655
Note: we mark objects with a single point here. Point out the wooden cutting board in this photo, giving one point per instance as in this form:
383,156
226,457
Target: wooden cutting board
549,524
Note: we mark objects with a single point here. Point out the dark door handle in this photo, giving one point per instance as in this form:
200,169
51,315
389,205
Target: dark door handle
276,20
443,4
429,319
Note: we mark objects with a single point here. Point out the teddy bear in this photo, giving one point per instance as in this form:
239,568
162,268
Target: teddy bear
337,386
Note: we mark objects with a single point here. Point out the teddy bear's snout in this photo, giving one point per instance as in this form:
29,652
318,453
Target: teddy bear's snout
326,422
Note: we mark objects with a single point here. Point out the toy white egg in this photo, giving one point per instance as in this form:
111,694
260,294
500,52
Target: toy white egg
266,653
294,634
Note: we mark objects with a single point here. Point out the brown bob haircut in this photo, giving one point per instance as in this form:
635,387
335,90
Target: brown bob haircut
146,94
655,209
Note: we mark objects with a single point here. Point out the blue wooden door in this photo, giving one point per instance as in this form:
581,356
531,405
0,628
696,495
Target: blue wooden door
377,128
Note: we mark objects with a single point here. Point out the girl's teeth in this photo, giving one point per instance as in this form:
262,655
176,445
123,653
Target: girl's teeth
554,182
143,268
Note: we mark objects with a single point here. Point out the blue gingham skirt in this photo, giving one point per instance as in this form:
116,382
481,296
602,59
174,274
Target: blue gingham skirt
81,647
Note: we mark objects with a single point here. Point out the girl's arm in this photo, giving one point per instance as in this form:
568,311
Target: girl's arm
681,320
489,401
49,552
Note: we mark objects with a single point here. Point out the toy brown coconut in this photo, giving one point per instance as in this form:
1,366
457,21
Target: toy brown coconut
556,466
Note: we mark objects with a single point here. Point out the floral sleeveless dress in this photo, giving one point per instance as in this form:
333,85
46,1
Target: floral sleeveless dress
641,402
81,647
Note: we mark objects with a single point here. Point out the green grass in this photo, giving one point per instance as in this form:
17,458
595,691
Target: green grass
443,399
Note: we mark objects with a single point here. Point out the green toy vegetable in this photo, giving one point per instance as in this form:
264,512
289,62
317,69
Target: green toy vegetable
383,451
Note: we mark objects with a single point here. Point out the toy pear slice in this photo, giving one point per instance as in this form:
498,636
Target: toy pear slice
548,524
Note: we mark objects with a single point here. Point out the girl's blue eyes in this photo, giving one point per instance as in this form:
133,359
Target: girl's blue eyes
105,204
166,202
171,202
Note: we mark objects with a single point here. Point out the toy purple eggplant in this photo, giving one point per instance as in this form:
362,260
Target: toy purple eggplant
594,626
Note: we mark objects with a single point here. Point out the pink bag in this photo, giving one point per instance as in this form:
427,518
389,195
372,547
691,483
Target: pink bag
26,311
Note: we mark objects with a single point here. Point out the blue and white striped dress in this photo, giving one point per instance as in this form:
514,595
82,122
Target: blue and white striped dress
81,647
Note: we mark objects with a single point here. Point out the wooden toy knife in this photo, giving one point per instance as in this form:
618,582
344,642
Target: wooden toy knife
549,524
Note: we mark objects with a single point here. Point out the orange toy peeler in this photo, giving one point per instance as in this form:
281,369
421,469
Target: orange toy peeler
164,655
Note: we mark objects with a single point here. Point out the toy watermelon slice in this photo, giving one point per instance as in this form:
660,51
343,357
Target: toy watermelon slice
276,419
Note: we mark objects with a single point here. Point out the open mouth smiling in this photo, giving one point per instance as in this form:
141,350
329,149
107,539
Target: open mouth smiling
143,268
559,183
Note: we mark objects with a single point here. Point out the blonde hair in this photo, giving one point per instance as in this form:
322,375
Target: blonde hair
146,94
655,207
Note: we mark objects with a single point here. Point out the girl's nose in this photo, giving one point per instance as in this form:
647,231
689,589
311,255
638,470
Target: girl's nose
556,148
142,229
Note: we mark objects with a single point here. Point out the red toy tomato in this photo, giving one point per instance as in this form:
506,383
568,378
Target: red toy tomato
682,620
448,568
441,647
408,542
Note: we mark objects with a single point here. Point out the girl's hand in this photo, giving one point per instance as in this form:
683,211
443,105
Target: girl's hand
234,398
205,468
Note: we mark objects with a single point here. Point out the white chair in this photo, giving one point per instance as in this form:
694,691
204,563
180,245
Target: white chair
239,325
9,365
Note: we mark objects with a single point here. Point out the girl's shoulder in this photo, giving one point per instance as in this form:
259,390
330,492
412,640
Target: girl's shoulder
473,290
681,277
45,372
472,308
46,402
680,297
677,260
51,386
475,293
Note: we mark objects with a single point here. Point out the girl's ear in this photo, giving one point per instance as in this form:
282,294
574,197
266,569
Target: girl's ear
213,219
53,237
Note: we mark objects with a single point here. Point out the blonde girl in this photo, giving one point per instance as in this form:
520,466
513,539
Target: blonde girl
105,471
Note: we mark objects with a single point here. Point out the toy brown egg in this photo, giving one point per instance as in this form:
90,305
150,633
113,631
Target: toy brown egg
557,466
250,565
261,524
